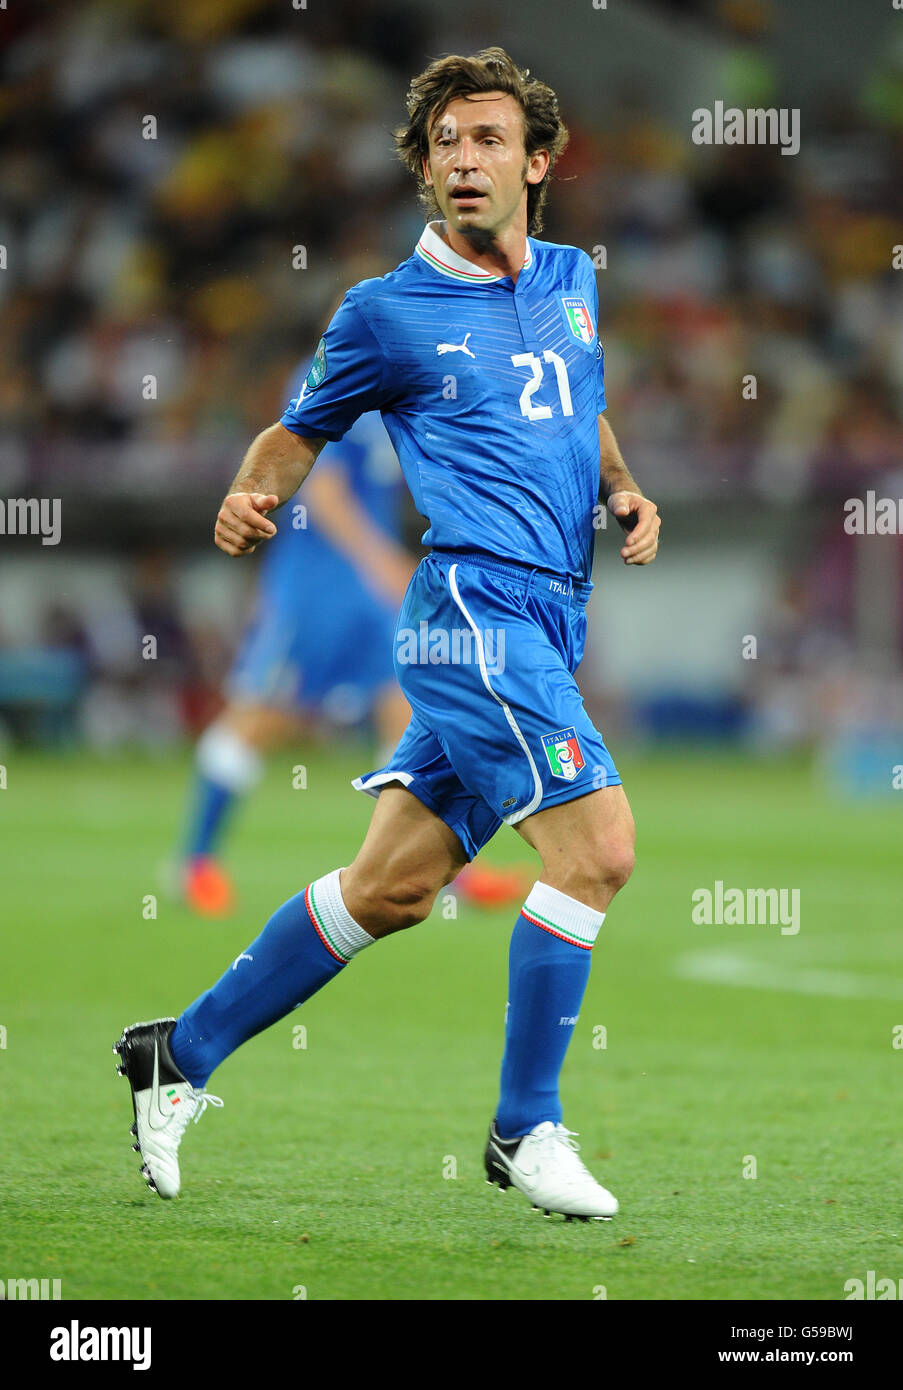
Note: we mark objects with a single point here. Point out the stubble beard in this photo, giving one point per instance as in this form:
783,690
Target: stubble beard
483,239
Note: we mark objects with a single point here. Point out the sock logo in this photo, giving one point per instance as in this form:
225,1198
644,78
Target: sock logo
243,956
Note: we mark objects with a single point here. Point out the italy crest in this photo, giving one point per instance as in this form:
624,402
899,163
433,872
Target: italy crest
578,319
563,752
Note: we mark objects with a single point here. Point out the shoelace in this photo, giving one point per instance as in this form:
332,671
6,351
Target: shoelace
578,1172
202,1099
198,1102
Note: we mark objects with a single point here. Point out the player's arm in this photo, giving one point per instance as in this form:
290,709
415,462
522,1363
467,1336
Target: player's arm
377,558
635,513
274,468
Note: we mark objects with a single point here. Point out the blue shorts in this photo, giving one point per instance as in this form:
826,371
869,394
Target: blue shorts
485,652
331,656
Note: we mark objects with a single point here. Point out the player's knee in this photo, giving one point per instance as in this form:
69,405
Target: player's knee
599,875
400,903
410,900
617,864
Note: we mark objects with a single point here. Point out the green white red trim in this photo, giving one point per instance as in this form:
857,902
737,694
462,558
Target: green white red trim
437,253
331,920
562,916
320,926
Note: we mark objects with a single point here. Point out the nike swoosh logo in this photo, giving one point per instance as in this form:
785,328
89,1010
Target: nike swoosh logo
515,1168
155,1097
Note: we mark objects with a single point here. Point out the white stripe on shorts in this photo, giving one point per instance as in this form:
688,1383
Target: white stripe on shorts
537,780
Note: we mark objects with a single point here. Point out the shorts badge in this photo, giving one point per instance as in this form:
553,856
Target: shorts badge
563,752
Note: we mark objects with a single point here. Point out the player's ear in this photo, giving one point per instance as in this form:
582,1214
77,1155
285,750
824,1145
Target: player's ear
537,166
425,164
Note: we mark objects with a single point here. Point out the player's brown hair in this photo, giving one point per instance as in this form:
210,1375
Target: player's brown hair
490,70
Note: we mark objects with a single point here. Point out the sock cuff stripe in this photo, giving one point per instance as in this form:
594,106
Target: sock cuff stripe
563,916
319,927
345,936
554,931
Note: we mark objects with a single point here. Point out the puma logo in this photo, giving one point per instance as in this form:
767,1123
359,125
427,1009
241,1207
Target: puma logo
243,956
442,348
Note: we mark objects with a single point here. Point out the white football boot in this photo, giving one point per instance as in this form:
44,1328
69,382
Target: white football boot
544,1166
163,1100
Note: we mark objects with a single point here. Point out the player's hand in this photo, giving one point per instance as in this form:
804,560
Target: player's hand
241,522
639,517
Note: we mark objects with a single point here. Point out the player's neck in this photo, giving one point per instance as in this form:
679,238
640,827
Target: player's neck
503,254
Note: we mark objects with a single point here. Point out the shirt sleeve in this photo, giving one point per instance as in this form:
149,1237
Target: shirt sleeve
348,376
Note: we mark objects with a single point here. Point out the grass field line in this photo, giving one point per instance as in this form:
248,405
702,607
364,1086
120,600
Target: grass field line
732,967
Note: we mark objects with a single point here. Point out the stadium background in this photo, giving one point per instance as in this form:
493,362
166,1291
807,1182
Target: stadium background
173,257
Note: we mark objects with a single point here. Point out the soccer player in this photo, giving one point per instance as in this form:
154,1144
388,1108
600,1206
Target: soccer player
482,354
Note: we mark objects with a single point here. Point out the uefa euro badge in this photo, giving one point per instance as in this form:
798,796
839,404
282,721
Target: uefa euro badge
317,373
564,755
578,319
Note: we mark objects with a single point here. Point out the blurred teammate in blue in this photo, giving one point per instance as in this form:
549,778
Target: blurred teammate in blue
481,351
320,642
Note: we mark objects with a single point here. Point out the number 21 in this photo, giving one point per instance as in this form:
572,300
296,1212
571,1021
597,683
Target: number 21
529,359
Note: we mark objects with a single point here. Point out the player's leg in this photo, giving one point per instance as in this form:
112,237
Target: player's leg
587,849
480,884
407,856
228,765
516,731
586,845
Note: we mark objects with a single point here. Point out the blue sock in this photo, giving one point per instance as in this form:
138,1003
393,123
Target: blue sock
211,805
227,768
303,945
548,967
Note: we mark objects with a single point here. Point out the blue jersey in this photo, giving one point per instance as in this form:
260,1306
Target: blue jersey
489,390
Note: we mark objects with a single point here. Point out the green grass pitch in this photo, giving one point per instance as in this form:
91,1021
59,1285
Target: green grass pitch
328,1169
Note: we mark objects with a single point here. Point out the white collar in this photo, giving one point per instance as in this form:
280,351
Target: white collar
437,253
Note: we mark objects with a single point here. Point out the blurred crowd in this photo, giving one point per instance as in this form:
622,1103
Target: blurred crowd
183,187
186,187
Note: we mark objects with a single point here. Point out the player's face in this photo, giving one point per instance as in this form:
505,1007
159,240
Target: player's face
477,164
